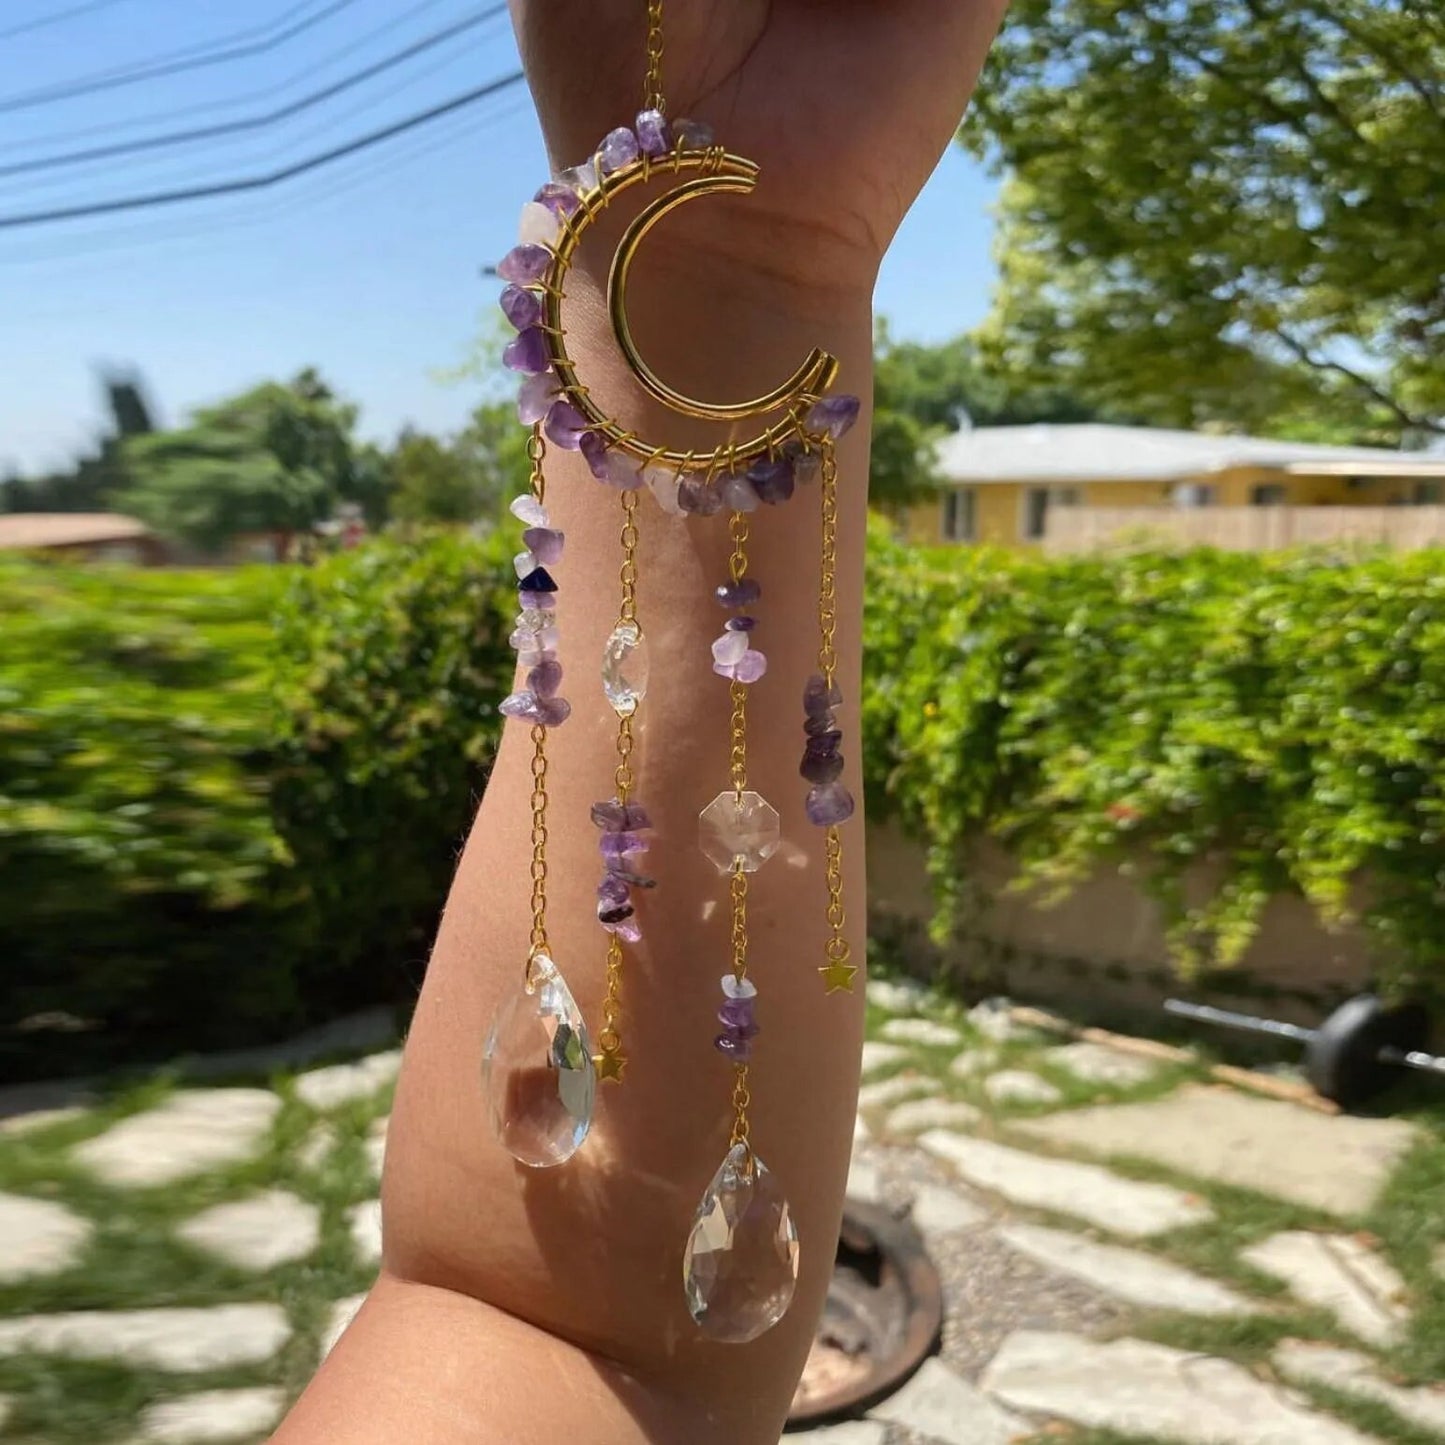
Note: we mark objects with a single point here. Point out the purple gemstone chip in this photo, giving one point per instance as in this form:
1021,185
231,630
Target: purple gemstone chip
525,263
527,351
742,593
828,803
653,136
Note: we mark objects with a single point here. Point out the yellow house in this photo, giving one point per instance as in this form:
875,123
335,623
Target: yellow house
1001,483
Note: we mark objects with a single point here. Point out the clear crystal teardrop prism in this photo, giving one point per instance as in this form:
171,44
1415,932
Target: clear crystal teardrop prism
741,1262
537,1070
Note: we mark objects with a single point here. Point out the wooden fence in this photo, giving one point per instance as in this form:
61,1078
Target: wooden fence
1242,529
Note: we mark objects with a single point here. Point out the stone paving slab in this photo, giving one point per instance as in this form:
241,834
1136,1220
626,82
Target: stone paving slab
850,1432
900,1086
938,1211
1099,1064
865,1182
899,996
972,1062
1020,1086
18,1125
38,1237
1339,1273
1334,1163
316,1148
375,1145
364,1222
1135,1387
927,1032
337,1322
184,1340
920,1114
936,1403
339,1084
191,1132
267,1229
1088,1191
211,1415
878,1055
1308,1362
1127,1274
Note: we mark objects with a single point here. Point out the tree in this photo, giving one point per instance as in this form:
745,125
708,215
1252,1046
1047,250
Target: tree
92,484
433,482
922,393
1224,212
275,459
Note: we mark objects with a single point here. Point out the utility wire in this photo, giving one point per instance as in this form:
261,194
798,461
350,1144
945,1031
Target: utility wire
272,178
257,122
267,92
173,63
56,19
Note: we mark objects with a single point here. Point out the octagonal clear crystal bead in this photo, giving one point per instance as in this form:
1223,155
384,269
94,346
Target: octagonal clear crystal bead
739,830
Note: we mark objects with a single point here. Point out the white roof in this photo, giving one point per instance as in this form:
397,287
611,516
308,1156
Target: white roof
1093,452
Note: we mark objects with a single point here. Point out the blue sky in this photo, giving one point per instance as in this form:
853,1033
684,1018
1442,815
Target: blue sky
369,270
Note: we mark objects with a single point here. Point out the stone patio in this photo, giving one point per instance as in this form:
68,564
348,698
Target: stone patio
1053,1265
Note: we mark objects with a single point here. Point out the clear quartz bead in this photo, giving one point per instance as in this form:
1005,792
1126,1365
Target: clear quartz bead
741,1262
739,830
537,1070
624,668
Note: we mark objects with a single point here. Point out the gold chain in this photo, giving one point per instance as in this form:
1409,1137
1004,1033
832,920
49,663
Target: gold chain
827,591
741,1099
738,755
738,885
652,90
610,1038
837,972
536,451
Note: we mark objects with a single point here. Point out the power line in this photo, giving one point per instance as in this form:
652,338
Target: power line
272,178
174,63
267,92
56,19
257,122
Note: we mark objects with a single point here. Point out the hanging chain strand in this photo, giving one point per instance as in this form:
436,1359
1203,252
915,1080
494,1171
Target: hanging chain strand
652,90
837,972
536,451
610,1039
738,884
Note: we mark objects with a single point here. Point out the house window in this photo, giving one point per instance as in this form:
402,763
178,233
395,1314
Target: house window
1268,494
1428,494
1194,494
960,515
1036,504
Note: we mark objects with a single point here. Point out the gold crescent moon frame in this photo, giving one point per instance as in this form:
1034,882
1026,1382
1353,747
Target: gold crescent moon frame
718,171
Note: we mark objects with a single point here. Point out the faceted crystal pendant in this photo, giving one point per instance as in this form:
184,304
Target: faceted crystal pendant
739,830
741,1262
624,668
537,1070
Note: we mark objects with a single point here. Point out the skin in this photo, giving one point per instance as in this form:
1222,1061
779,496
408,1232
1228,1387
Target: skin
524,1305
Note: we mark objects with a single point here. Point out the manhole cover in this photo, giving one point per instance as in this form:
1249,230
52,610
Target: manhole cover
882,1318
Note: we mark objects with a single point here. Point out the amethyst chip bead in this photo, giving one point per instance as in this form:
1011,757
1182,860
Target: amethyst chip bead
619,148
527,352
742,593
560,199
545,544
828,803
565,425
525,263
521,307
616,817
772,478
653,136
833,415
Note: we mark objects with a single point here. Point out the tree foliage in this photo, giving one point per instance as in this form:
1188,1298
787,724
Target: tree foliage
1225,211
275,459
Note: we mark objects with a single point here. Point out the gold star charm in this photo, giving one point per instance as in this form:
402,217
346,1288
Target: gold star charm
838,975
610,1064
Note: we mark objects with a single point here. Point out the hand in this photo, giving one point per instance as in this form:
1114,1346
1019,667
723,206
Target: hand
846,104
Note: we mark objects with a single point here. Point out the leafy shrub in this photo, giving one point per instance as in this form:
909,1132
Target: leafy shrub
1281,716
230,801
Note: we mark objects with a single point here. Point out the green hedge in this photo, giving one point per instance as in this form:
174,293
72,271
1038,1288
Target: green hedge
230,802
1281,716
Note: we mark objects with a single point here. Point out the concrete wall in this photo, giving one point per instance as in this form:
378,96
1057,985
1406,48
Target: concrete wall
1100,951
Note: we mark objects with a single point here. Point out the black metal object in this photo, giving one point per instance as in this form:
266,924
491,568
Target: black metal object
1356,1053
882,1318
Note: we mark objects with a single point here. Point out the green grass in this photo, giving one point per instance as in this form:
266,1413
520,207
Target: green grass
1408,1221
135,1261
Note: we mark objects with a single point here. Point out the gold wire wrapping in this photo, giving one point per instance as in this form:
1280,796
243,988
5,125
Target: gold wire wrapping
536,451
837,972
718,171
610,1059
